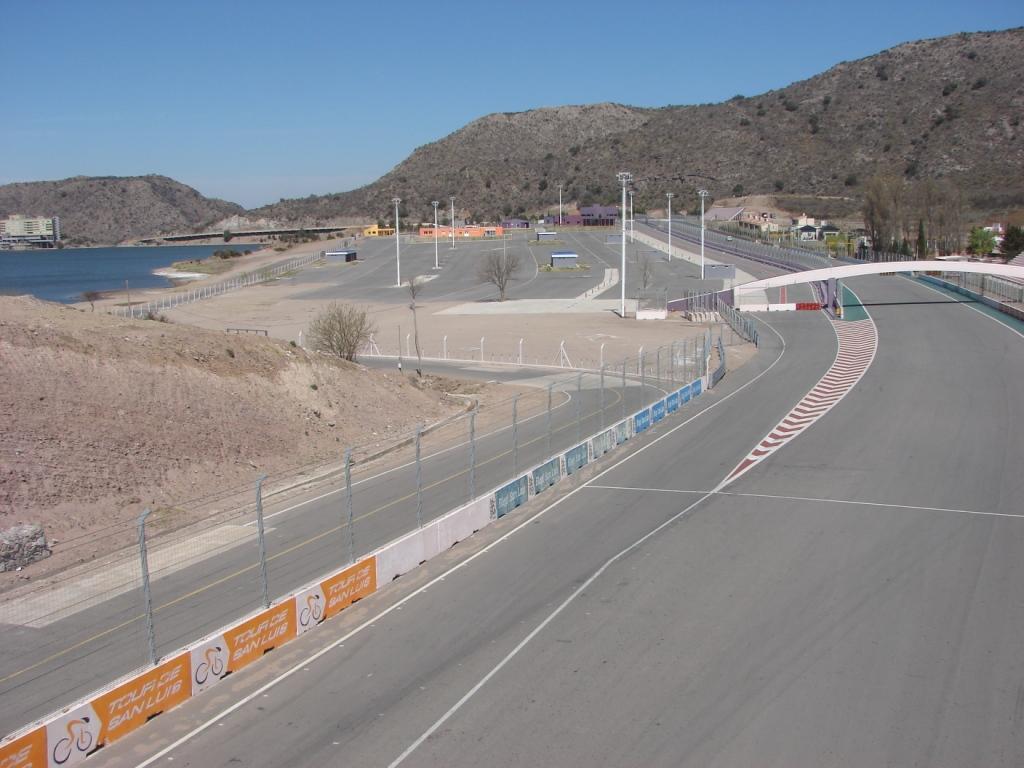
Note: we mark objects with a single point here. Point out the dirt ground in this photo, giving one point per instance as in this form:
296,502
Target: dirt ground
104,416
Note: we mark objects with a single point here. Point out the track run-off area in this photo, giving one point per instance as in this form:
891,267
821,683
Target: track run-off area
850,598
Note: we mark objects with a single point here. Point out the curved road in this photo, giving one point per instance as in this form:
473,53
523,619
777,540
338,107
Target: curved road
852,600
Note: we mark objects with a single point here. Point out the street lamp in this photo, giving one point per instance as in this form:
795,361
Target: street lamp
398,249
451,224
631,238
670,195
559,205
434,203
703,194
624,179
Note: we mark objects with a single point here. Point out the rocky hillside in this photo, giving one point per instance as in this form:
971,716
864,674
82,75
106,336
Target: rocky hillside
944,108
111,209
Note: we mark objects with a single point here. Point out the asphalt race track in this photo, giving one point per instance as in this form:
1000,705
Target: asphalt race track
855,599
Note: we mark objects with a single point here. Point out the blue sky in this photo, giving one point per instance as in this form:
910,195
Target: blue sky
254,101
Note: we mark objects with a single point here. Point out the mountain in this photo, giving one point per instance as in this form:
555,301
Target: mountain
945,108
111,209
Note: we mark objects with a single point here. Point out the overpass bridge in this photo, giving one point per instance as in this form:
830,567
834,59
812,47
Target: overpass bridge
827,281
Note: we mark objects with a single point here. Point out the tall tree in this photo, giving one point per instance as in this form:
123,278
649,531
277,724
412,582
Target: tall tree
922,242
1013,242
982,242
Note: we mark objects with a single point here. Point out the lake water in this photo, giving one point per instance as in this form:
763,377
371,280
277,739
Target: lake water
63,275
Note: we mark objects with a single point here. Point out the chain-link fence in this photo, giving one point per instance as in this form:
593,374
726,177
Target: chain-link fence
180,572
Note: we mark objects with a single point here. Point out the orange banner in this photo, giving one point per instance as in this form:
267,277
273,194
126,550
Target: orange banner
352,584
128,706
251,639
27,752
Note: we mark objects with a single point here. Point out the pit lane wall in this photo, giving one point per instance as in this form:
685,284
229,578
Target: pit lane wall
82,729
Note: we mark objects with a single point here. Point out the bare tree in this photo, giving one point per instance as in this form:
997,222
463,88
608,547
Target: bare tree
341,329
498,269
415,284
92,296
646,271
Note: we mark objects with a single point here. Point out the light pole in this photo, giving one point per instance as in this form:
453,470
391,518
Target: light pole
703,194
398,249
451,224
624,178
559,205
670,195
434,203
631,238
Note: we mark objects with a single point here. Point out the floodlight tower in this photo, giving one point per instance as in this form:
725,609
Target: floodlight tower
624,178
398,248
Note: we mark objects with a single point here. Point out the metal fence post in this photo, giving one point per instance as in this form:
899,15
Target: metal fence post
472,455
602,397
643,381
579,413
672,361
623,389
348,505
657,365
515,436
551,387
419,479
686,362
261,538
147,595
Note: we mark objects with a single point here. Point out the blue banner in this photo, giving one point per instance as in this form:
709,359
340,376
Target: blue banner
684,394
510,496
696,388
642,421
672,402
658,411
575,458
546,475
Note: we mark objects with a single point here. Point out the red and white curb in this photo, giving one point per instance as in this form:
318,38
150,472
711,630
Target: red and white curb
858,342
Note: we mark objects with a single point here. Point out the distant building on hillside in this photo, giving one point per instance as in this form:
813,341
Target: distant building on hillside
599,215
515,224
376,231
463,232
28,230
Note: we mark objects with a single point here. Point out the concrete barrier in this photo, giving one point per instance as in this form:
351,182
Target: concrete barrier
68,737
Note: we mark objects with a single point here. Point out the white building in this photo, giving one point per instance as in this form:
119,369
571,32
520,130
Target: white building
29,230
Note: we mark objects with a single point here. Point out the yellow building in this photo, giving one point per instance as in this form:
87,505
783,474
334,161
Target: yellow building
374,231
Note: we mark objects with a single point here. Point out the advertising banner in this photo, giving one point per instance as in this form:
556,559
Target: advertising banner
603,442
621,432
352,584
209,662
130,705
546,475
672,402
71,737
29,751
658,411
641,421
510,496
249,640
575,458
684,394
309,609
696,387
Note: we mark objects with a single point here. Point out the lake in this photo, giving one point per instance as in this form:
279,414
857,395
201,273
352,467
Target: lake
64,274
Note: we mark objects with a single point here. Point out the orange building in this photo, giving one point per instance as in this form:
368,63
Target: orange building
465,232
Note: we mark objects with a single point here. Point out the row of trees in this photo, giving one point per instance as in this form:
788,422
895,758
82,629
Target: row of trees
920,218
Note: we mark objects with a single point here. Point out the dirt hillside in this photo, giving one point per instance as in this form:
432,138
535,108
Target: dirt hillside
103,416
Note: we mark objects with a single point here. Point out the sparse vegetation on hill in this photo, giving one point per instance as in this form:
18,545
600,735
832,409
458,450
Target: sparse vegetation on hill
109,209
942,109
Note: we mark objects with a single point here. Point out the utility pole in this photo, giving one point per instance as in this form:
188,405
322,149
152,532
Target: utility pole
670,195
624,178
398,254
451,224
434,203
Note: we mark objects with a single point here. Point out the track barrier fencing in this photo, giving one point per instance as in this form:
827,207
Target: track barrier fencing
153,616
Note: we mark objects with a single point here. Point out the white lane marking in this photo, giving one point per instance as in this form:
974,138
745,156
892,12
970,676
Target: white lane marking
807,498
458,566
965,305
